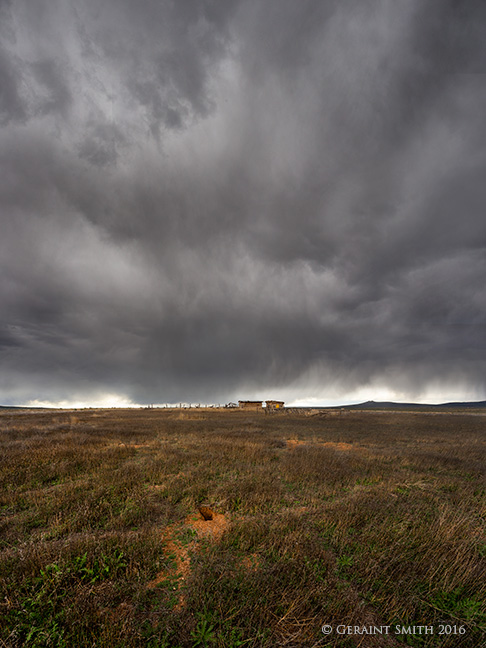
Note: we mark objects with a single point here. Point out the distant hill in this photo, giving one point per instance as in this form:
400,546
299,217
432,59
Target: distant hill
372,405
16,407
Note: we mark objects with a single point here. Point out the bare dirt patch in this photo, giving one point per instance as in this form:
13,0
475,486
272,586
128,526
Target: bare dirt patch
251,562
211,530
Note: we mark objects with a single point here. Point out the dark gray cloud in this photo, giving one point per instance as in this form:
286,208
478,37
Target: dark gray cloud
11,106
202,200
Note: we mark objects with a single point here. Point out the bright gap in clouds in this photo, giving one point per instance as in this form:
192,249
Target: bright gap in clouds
432,396
377,394
103,401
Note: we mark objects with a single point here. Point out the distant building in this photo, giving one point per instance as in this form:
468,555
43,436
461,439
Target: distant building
251,405
273,404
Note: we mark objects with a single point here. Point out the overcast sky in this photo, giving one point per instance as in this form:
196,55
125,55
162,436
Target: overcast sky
206,200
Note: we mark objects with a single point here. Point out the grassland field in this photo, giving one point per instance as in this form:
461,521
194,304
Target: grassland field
366,519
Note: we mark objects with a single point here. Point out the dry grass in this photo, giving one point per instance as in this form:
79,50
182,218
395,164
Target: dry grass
367,518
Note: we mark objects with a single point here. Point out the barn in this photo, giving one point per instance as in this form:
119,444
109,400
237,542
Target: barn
250,405
274,404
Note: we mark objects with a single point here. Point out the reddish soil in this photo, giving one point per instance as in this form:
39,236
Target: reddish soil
205,529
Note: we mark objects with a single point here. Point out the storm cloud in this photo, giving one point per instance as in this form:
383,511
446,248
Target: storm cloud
213,199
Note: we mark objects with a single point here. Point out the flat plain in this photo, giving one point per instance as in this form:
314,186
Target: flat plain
367,519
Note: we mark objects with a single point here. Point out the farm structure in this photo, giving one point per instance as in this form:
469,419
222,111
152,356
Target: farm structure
250,405
273,404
